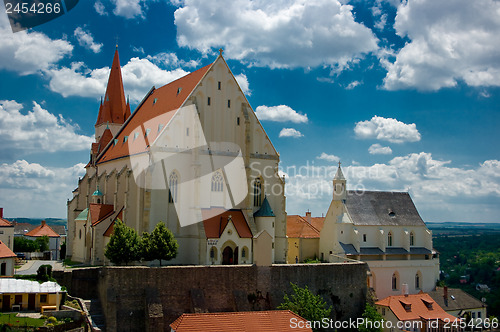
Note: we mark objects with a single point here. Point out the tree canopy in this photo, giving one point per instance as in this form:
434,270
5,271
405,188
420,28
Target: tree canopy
305,304
160,244
371,315
124,244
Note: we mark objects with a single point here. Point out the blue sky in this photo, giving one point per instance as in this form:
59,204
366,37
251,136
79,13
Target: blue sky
405,94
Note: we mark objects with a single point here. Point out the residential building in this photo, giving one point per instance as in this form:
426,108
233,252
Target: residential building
54,238
19,295
458,303
193,155
6,231
244,321
7,261
415,312
303,235
385,230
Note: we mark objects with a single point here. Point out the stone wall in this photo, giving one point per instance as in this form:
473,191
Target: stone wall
143,298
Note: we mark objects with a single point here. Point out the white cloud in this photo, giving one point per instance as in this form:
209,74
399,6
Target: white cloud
277,34
450,41
353,84
100,9
139,75
86,40
379,149
37,131
441,192
129,8
45,188
328,157
29,52
290,132
170,60
280,113
243,83
387,129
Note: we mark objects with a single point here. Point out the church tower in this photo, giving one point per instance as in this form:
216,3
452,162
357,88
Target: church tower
339,186
114,110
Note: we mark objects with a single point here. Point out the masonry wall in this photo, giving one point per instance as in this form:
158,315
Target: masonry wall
143,298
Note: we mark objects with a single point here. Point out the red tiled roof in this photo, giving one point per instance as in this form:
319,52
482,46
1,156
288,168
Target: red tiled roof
5,252
106,137
262,321
42,230
5,223
418,309
110,229
99,212
298,227
216,220
157,108
114,108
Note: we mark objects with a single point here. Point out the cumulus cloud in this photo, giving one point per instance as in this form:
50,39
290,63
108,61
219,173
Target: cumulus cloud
100,9
243,83
450,41
28,52
86,40
129,8
353,84
387,129
139,75
441,192
379,149
290,132
280,113
328,157
46,188
284,34
37,130
170,60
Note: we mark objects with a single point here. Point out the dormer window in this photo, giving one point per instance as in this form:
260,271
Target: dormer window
428,304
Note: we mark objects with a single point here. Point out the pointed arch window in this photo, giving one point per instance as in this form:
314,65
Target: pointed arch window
389,239
217,182
412,239
395,281
257,192
173,180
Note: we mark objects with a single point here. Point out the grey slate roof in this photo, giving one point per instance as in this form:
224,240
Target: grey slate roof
382,208
420,251
461,301
349,249
371,251
396,251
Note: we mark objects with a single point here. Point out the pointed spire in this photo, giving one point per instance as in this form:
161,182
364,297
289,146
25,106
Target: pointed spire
339,175
114,108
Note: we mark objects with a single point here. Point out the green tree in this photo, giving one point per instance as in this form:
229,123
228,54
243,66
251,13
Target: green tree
371,315
22,244
305,304
160,244
124,244
42,243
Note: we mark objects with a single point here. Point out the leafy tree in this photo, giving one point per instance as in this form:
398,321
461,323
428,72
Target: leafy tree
372,315
160,244
305,304
124,244
44,272
42,243
22,244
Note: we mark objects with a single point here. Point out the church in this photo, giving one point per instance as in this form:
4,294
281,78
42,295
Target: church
385,230
193,155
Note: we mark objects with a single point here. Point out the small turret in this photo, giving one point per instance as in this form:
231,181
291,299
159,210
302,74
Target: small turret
339,186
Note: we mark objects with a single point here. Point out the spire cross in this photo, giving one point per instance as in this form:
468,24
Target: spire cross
339,163
221,51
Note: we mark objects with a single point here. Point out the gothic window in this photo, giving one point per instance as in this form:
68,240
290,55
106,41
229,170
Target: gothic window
212,253
80,235
172,184
418,280
412,239
395,281
389,239
364,237
217,182
257,192
243,253
208,101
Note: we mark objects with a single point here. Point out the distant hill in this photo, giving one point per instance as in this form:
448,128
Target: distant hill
462,228
38,221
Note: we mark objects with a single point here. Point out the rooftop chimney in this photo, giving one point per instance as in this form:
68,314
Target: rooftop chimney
43,222
308,216
1,212
404,289
445,295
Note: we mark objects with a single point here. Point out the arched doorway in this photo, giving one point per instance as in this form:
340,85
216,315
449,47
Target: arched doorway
227,256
